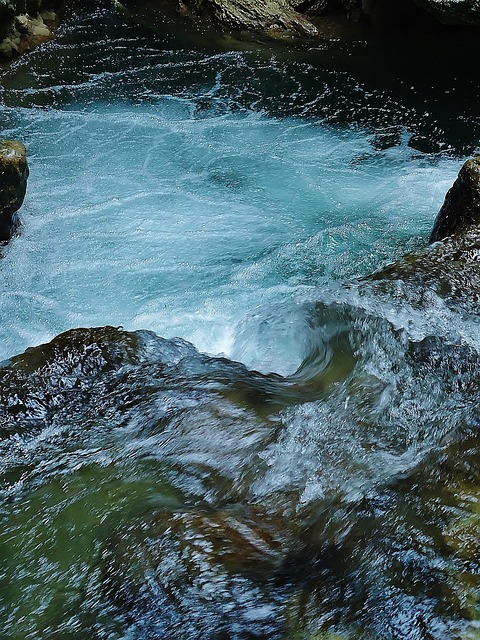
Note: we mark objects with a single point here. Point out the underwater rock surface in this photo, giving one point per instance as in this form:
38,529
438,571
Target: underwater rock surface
203,500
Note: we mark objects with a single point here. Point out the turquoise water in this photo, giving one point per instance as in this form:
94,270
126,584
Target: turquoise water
163,196
302,462
212,229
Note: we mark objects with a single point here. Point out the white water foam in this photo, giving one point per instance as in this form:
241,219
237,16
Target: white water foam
204,228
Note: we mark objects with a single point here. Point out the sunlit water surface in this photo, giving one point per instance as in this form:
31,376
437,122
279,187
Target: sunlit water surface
232,200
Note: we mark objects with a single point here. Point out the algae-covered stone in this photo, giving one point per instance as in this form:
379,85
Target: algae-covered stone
13,185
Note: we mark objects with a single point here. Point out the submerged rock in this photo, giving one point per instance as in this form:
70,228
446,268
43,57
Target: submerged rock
13,185
195,573
79,365
41,381
461,208
186,486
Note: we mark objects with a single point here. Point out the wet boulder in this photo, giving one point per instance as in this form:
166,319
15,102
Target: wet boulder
13,185
24,26
461,208
37,384
276,16
448,267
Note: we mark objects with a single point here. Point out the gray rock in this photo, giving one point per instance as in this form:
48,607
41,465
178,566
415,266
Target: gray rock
276,16
13,185
312,7
461,208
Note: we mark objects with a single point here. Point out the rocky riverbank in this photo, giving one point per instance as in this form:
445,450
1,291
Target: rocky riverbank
314,17
25,25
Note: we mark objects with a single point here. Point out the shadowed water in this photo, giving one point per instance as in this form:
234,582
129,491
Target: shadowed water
296,457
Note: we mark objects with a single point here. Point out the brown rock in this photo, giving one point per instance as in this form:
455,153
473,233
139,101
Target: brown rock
13,185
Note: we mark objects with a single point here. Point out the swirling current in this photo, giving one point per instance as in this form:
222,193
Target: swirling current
239,411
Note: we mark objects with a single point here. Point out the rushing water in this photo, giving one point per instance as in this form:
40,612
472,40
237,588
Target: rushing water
297,456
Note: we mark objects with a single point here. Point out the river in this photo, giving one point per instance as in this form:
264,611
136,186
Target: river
263,442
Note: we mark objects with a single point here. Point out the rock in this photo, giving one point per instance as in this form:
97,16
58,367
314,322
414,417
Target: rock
463,534
38,29
8,48
461,208
312,7
49,16
22,31
21,23
453,12
13,185
217,565
276,16
312,18
448,267
41,381
460,12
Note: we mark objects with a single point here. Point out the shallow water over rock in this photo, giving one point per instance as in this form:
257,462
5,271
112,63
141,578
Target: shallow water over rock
297,455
